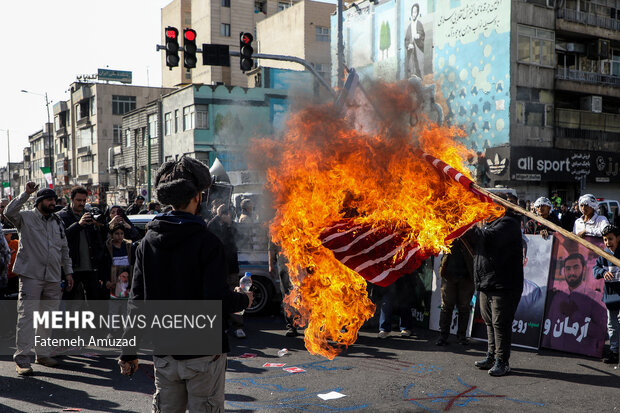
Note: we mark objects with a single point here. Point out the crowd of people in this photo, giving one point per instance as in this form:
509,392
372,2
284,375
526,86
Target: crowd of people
73,253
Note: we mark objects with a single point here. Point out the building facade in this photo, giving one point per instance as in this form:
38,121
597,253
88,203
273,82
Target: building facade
534,83
87,126
40,154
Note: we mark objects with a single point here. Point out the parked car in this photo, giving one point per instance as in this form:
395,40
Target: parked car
611,207
252,242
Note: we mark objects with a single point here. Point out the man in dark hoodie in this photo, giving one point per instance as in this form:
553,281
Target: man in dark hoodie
498,276
179,259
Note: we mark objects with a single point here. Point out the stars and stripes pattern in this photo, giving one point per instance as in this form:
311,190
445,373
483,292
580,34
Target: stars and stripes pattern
379,254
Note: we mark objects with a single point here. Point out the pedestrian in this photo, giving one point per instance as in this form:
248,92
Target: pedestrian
567,218
178,259
457,289
611,294
118,260
590,223
222,227
43,252
116,216
247,210
85,246
6,224
396,297
5,261
498,276
278,263
136,207
543,209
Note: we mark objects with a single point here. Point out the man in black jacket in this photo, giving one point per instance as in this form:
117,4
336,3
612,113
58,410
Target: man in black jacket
85,245
179,259
498,276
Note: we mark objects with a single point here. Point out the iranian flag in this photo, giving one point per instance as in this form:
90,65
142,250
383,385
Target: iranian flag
47,172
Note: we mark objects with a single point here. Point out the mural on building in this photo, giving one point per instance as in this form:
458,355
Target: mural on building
463,46
472,66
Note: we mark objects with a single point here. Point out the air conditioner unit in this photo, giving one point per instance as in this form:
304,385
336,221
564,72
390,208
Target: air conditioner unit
592,104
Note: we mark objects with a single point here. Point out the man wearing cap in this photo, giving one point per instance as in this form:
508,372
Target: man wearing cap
136,206
180,259
42,253
590,223
543,208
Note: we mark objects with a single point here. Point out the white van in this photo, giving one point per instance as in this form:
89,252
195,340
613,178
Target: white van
612,207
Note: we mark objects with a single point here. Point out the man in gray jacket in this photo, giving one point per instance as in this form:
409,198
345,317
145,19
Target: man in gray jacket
41,254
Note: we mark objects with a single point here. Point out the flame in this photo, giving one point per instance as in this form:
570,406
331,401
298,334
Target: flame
327,166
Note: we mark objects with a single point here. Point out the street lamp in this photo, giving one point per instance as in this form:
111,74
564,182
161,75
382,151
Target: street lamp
50,135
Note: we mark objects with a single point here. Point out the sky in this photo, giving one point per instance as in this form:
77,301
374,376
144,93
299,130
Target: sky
48,43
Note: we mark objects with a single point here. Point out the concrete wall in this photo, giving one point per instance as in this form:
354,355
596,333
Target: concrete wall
176,14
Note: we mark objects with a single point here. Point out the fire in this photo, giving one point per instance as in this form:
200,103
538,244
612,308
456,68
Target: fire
328,166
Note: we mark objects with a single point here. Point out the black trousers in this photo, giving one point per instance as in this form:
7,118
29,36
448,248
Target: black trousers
85,285
498,310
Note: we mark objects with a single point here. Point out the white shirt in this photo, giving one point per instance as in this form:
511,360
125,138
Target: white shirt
594,227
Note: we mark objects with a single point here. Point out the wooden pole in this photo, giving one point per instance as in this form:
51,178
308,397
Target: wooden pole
549,224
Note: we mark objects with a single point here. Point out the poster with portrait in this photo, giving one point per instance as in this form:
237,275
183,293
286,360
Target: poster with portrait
528,320
575,317
417,43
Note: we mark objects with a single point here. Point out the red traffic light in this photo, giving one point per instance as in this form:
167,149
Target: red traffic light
172,33
246,38
190,35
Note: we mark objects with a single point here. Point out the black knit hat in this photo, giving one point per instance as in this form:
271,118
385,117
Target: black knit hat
44,193
177,182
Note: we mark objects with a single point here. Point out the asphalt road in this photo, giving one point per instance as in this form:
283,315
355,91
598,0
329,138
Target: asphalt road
392,375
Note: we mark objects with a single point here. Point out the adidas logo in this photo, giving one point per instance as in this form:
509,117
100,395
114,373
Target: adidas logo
497,166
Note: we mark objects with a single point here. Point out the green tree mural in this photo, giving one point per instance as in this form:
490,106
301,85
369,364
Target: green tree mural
385,39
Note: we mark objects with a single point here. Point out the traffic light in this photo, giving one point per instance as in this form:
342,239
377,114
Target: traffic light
172,47
189,45
245,51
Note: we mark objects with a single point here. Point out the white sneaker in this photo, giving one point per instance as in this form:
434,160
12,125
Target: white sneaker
405,333
383,334
239,333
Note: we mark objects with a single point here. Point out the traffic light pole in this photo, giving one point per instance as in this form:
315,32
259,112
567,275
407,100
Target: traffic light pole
294,60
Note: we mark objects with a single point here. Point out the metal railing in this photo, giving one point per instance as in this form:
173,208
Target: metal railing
564,73
587,18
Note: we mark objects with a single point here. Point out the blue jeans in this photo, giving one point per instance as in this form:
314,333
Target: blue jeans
385,319
613,328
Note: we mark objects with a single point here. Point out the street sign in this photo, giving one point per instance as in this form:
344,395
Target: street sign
122,76
215,55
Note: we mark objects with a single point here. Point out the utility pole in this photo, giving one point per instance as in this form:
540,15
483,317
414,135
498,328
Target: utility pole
340,47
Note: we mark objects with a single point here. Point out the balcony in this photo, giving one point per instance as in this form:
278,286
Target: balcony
83,123
563,73
581,124
589,19
62,131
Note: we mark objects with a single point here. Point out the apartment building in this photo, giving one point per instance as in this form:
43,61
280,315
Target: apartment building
302,30
535,84
87,126
40,154
10,175
215,22
139,147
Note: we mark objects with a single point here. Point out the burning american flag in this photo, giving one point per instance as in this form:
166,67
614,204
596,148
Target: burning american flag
362,204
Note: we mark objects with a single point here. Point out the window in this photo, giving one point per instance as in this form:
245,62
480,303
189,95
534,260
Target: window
321,68
536,46
322,34
117,134
187,18
152,122
225,30
260,7
202,117
225,3
93,135
176,120
123,104
93,106
167,124
188,117
127,138
283,6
